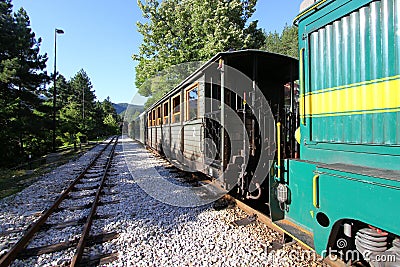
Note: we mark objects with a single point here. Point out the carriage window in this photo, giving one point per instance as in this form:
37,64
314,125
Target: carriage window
191,103
165,113
149,119
153,117
158,115
176,109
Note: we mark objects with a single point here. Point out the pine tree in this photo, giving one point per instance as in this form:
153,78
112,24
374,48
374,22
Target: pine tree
64,92
285,43
289,41
81,116
82,94
22,79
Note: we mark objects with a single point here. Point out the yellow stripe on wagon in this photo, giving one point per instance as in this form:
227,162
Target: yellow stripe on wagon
376,96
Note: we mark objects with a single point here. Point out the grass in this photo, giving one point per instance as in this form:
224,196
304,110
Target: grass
14,181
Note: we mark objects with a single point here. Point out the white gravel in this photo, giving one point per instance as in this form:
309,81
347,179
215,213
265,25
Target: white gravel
22,209
152,233
156,234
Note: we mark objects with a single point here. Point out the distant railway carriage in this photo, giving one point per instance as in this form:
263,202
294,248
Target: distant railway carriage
138,128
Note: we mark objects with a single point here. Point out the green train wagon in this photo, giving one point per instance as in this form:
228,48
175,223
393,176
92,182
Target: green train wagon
342,196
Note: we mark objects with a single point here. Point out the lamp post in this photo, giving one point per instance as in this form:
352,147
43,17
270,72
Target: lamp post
56,31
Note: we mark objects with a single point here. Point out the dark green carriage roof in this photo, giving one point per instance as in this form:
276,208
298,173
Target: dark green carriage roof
276,65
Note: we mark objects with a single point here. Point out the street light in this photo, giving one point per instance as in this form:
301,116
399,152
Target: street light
56,31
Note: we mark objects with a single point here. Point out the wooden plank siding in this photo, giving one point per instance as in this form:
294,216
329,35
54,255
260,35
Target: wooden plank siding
166,139
154,137
158,138
175,140
192,141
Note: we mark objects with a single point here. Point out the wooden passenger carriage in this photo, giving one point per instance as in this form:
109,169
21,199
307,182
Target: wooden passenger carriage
186,124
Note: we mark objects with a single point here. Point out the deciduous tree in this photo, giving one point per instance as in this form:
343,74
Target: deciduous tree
178,31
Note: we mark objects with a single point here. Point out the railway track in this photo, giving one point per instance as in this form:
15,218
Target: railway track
86,188
198,179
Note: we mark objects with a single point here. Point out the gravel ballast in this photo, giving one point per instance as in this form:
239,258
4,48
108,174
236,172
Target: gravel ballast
151,233
18,211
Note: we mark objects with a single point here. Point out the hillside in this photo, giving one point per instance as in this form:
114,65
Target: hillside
120,107
133,110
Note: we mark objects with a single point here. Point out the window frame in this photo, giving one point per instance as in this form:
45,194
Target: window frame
153,117
173,108
187,101
149,119
158,115
165,110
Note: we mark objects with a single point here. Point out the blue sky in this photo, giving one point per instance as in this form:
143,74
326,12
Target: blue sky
100,37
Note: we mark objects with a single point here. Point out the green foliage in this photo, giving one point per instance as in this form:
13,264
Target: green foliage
178,31
80,115
23,120
64,91
167,79
70,121
110,122
111,119
25,117
285,43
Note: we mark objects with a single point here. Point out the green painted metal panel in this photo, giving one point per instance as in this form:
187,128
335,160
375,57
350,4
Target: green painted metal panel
334,61
343,40
346,195
349,154
341,195
299,180
349,42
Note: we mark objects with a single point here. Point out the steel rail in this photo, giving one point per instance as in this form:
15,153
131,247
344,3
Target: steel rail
33,229
270,224
86,229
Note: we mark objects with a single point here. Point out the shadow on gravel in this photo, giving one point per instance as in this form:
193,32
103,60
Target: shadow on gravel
144,222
